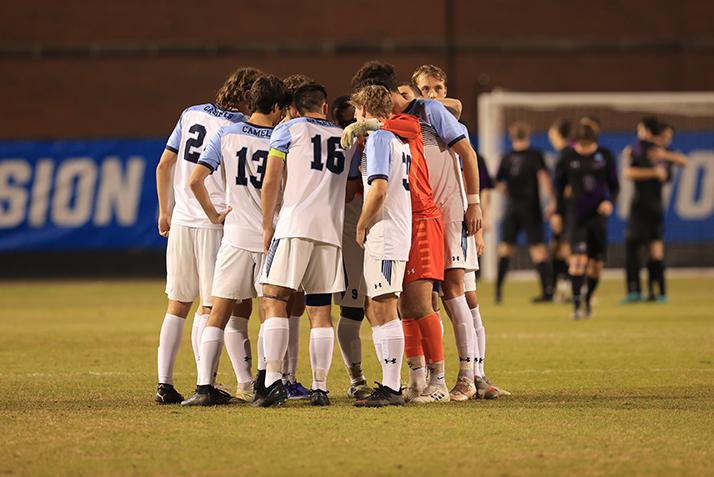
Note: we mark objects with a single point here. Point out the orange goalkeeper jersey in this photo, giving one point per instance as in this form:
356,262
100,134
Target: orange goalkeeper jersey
407,126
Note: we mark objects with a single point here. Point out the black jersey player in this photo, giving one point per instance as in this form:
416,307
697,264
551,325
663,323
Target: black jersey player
591,174
521,171
650,167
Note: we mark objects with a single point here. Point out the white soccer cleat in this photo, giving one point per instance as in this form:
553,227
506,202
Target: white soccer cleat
433,393
464,389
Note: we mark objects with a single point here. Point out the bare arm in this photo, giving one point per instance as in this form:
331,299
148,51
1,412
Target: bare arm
198,187
645,173
372,203
545,183
486,208
474,216
662,154
269,196
453,105
163,189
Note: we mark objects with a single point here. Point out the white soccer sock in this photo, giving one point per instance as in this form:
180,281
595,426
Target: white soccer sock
238,348
261,348
377,340
196,337
392,335
275,342
437,374
417,372
350,343
202,322
169,342
211,347
322,344
480,340
464,334
291,356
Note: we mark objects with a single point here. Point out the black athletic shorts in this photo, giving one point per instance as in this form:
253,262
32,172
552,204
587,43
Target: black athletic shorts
529,221
589,236
645,226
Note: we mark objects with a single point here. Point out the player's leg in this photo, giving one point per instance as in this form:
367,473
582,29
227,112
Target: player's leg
182,288
238,348
275,334
656,270
212,341
322,343
539,255
296,307
597,251
509,232
632,271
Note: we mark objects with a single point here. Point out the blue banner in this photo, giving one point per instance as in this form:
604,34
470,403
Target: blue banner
688,198
101,194
79,195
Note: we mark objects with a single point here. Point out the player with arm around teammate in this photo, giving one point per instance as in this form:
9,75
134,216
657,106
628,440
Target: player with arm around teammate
468,327
193,240
242,149
305,247
384,230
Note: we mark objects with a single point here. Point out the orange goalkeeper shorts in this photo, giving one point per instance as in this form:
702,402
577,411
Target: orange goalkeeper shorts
426,257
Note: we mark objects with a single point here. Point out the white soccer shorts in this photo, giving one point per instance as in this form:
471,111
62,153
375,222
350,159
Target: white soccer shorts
190,263
238,273
382,277
459,250
353,258
295,261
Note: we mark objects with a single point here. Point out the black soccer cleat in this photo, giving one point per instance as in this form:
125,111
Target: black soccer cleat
382,396
543,299
208,396
273,394
258,387
318,397
166,394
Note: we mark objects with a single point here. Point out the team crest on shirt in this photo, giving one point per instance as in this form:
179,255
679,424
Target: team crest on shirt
575,164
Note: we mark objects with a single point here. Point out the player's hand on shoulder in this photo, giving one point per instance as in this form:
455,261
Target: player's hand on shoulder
359,128
164,225
220,218
605,208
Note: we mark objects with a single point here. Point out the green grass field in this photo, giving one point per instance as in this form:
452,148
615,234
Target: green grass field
629,392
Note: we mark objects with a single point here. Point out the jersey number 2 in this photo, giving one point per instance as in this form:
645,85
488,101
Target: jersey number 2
194,142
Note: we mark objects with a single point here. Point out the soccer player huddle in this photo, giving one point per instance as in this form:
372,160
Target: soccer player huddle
378,208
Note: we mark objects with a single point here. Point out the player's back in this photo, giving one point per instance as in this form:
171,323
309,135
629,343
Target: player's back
317,172
241,149
194,129
387,157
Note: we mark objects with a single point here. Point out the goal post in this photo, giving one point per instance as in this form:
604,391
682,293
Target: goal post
689,198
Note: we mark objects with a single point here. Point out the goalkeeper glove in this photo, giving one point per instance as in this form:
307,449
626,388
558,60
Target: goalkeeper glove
360,128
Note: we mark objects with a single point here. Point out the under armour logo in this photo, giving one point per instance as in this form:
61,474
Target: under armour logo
454,258
378,285
393,361
410,271
247,359
468,360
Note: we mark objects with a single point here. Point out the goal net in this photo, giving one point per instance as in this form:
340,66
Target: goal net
688,198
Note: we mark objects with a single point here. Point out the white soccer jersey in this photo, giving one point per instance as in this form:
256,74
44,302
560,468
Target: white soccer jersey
390,231
242,150
194,129
317,171
441,130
